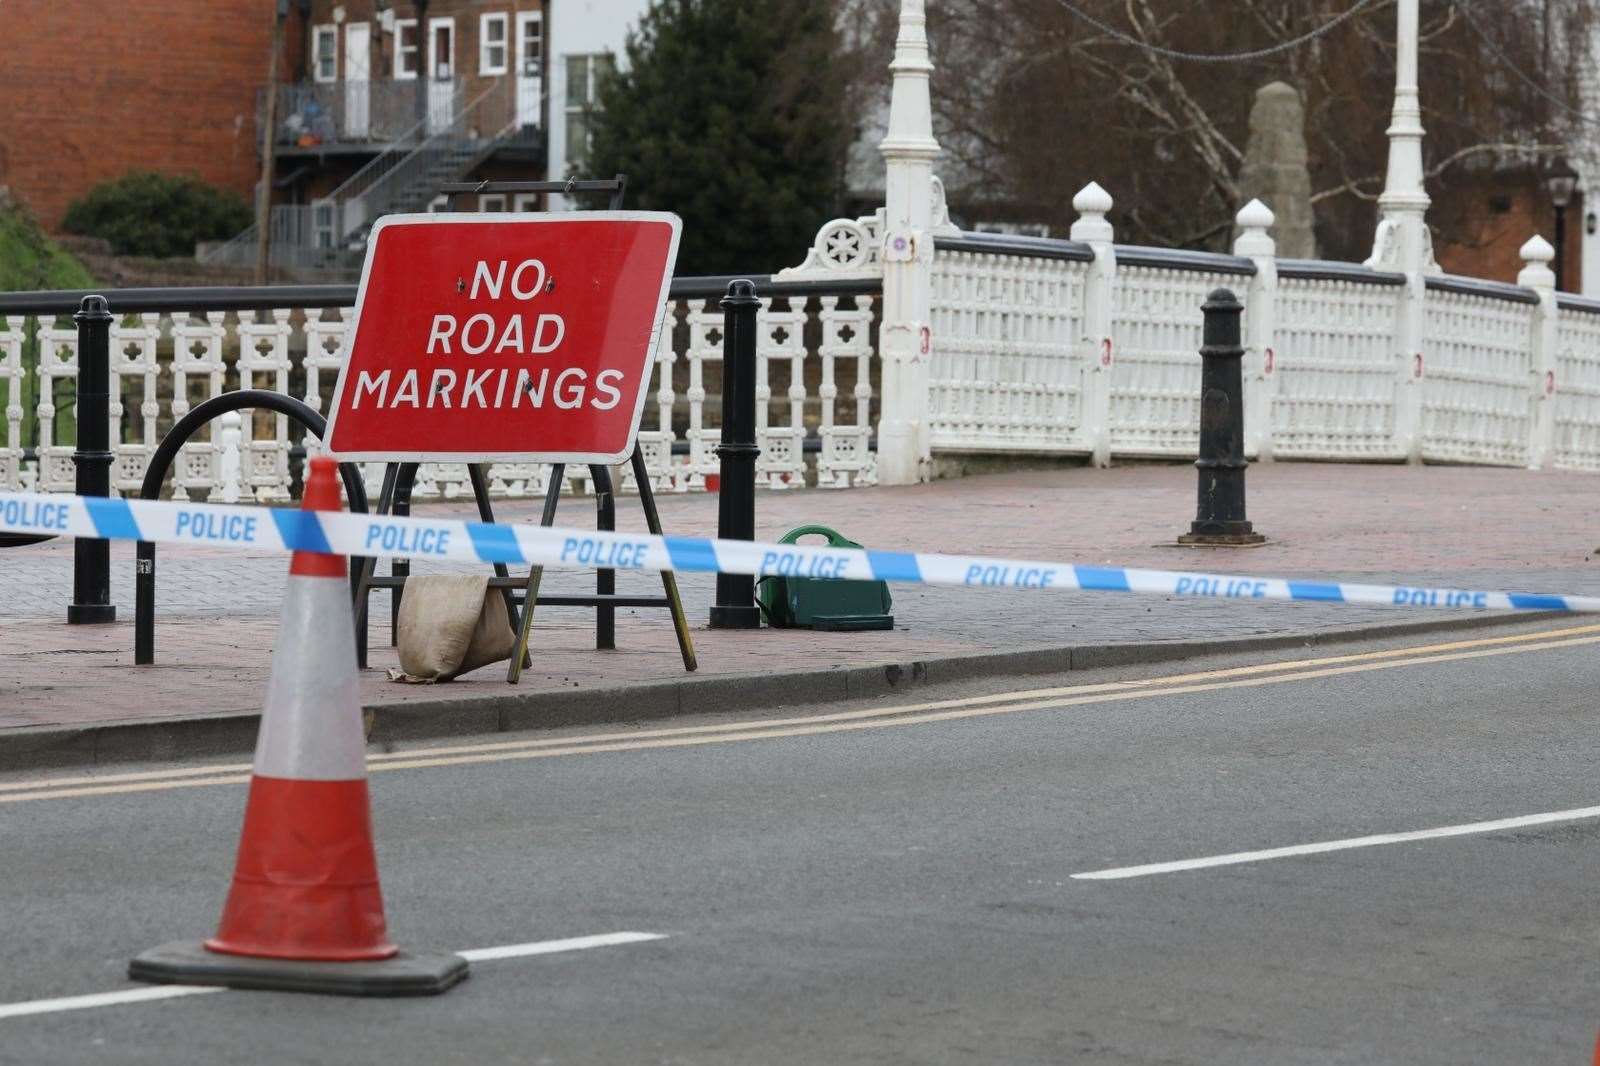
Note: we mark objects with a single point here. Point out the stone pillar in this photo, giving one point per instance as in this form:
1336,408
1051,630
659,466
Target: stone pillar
1537,275
1275,170
906,339
1254,223
1094,229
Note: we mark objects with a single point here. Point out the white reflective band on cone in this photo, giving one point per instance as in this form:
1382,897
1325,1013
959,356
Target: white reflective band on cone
311,726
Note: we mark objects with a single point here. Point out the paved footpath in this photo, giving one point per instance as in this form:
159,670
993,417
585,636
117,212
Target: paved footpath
217,611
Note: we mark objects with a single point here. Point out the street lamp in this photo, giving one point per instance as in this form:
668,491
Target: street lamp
1560,180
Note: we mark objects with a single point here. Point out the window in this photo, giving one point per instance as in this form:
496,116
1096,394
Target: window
525,201
322,224
530,43
492,201
492,44
442,48
583,74
405,49
325,53
439,203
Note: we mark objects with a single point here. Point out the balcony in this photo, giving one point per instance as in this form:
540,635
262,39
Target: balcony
365,116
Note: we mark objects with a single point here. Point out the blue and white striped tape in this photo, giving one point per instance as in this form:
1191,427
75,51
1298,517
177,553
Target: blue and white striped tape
283,530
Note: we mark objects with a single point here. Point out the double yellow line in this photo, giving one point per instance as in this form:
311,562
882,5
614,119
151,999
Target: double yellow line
1271,673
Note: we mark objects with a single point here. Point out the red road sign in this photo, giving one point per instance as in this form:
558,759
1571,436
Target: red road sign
516,337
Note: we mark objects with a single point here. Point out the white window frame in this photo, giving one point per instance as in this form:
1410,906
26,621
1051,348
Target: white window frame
328,31
525,201
492,201
580,155
436,23
524,19
324,223
415,51
485,67
439,203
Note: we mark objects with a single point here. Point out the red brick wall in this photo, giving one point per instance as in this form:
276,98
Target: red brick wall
1484,225
90,90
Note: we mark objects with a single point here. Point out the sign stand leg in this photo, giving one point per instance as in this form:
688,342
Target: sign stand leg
669,580
531,596
605,581
391,476
400,568
479,474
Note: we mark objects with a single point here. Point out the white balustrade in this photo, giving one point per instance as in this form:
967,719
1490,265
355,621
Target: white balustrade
1574,385
1037,346
1335,367
1007,371
1155,378
163,364
1476,372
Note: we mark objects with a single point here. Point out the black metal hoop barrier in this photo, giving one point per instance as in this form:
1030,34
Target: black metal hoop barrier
144,632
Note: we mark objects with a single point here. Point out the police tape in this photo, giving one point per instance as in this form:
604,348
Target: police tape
449,540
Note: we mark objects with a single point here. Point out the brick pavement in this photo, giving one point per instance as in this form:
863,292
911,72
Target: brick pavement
1443,525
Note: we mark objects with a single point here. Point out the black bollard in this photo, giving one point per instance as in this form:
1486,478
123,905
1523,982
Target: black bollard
91,570
735,606
1220,517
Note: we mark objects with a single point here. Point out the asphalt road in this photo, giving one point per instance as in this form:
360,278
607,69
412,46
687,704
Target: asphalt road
898,886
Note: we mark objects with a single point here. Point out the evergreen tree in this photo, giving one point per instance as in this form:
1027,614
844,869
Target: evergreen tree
734,114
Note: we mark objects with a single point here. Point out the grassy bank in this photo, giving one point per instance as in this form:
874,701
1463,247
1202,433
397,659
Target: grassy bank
29,260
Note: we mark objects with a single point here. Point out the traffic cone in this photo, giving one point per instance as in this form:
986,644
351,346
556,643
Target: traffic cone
305,912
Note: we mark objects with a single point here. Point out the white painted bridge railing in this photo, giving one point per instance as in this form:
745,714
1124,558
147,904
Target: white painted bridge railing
814,381
1085,347
1078,347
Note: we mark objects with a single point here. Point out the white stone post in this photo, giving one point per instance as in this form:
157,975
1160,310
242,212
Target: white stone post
906,339
1536,274
1403,242
1260,322
1096,350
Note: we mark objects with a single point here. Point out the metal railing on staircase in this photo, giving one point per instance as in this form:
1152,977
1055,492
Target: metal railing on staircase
328,235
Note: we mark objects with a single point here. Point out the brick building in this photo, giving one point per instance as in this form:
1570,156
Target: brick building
86,96
1484,222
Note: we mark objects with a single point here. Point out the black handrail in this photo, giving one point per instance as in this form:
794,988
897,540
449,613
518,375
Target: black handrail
144,635
269,297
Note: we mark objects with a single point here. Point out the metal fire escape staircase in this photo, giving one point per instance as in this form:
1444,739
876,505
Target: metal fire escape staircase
328,236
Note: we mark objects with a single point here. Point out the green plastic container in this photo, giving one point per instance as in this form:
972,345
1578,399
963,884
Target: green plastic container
823,603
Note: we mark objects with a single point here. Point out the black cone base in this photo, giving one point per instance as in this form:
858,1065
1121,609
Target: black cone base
189,963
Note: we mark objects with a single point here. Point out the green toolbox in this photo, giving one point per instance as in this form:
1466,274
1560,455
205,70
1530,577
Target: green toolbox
823,603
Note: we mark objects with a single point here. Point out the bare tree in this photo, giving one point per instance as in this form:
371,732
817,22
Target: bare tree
1032,102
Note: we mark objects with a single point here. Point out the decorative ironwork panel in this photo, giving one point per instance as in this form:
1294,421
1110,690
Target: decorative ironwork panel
1477,400
1576,390
1335,364
1006,372
1155,373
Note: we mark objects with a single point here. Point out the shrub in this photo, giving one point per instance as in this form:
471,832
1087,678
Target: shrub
144,213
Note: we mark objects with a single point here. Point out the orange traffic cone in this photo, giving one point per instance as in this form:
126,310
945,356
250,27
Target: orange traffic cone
305,912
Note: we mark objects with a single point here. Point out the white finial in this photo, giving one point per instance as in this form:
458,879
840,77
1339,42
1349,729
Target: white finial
910,134
1537,255
1255,215
1092,203
1254,220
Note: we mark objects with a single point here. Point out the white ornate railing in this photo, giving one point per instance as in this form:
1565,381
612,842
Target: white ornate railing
1005,375
1575,385
814,383
1334,363
1066,347
1477,398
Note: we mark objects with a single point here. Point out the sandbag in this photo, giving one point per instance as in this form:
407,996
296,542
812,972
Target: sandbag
450,624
